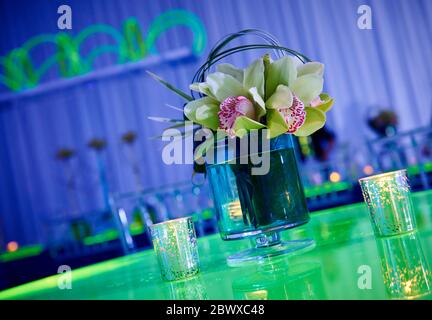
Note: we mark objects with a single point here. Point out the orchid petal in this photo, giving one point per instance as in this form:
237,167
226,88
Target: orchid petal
244,124
201,87
258,102
281,98
254,76
307,87
203,111
310,68
327,102
282,71
223,86
276,123
315,120
231,70
196,86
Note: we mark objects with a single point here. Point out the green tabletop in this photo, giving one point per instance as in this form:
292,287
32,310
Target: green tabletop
346,263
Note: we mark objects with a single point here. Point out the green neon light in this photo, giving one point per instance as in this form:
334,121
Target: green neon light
326,188
69,59
39,39
20,73
11,72
103,29
135,45
46,65
415,169
97,52
108,235
173,18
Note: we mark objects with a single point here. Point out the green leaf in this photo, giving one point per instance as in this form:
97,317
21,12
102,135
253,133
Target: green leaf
178,125
231,70
327,102
223,86
163,119
307,87
203,111
282,71
170,86
282,97
254,76
258,102
244,124
310,68
276,123
174,107
315,120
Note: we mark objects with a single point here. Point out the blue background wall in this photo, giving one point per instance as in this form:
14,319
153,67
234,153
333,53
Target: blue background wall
387,66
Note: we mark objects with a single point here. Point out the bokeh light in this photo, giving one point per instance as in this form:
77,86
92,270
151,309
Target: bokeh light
335,176
12,246
368,170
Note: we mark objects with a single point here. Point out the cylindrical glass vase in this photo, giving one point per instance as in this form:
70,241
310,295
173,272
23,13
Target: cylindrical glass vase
258,203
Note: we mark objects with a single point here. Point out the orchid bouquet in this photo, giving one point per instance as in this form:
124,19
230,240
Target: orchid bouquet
283,96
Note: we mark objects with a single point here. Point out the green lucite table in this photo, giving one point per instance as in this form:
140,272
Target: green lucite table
346,263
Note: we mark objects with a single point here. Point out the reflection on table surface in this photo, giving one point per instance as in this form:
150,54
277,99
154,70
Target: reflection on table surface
348,262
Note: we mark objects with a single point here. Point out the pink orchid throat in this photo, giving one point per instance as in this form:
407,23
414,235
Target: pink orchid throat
294,116
232,108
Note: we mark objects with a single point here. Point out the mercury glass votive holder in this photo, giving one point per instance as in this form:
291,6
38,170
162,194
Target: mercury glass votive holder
405,268
188,289
389,201
175,245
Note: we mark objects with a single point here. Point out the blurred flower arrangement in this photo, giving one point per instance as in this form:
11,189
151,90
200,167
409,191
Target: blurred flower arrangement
65,154
97,144
129,138
384,123
284,96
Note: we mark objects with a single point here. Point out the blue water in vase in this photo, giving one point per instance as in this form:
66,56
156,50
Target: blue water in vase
247,204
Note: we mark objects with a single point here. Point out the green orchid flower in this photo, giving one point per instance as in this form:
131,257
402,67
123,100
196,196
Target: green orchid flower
233,99
294,101
283,96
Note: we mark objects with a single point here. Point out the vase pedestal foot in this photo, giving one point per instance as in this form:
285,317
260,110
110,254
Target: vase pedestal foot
269,245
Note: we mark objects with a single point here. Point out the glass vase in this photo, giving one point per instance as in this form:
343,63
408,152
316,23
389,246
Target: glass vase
259,206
